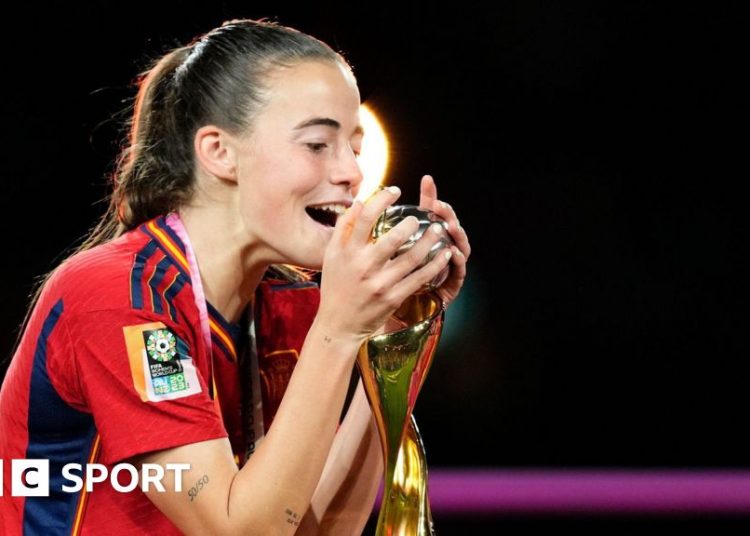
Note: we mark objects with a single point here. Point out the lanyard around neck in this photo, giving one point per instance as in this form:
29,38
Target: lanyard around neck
254,428
174,221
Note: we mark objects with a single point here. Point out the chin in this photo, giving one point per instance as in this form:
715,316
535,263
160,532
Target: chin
317,265
311,261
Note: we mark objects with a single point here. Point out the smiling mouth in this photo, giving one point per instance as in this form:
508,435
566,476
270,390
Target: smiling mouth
325,215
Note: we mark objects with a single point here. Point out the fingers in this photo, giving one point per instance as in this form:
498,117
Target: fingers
370,212
385,247
456,278
419,278
457,233
416,255
345,223
428,199
459,261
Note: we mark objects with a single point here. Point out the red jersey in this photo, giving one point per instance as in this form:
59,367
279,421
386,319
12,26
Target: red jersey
113,364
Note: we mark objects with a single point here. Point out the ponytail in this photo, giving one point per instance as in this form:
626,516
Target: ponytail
218,79
151,176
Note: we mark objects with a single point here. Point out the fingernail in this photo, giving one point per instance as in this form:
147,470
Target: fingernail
394,189
448,254
445,205
436,228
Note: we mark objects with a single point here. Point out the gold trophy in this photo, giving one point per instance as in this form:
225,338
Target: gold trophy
393,367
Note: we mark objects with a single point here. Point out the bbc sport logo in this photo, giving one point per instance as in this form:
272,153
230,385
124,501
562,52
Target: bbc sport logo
31,478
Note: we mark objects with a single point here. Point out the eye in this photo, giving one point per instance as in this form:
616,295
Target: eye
316,147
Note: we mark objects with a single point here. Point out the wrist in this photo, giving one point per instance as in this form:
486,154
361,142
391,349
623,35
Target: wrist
323,333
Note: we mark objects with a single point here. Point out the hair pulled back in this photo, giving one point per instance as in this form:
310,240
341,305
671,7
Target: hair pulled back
219,79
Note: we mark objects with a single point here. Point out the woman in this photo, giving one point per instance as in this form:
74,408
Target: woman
242,164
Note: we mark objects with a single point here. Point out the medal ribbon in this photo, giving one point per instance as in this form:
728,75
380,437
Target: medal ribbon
254,429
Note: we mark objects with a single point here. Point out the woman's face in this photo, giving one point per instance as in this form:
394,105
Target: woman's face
302,153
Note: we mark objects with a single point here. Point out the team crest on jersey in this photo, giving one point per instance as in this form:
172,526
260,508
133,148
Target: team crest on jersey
159,363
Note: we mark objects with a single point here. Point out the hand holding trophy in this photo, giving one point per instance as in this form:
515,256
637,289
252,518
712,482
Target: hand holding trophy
393,367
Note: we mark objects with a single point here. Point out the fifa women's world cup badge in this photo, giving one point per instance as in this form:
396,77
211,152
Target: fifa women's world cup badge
160,363
164,365
161,344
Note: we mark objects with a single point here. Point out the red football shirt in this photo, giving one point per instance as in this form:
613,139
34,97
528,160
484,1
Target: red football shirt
113,364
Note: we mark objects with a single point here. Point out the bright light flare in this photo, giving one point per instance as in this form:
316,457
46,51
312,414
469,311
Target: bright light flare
373,159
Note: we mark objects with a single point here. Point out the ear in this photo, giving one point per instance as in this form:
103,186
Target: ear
215,152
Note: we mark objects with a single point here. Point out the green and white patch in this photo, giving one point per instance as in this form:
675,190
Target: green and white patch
170,373
161,345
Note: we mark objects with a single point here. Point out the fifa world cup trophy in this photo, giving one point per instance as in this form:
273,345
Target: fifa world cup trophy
393,366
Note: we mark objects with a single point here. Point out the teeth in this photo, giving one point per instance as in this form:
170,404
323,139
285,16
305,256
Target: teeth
338,208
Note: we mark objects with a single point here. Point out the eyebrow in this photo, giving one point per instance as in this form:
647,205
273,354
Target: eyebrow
328,122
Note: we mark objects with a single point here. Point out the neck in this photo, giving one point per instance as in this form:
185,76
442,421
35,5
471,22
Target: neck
229,266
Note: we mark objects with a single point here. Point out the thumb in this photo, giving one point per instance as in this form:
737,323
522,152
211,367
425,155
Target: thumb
428,193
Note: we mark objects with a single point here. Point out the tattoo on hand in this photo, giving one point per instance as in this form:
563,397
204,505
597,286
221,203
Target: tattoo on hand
292,517
199,485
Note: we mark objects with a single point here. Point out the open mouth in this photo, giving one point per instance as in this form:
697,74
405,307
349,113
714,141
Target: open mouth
325,214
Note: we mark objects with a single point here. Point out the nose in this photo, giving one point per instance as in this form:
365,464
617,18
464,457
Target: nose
347,170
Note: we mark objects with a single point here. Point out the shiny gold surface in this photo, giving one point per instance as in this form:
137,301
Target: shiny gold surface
393,368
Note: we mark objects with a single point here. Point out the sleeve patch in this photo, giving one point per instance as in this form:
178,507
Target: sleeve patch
159,363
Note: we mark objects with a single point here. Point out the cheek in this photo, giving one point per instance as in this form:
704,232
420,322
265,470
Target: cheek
277,192
272,215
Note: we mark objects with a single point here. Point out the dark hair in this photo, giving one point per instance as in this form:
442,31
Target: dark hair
220,79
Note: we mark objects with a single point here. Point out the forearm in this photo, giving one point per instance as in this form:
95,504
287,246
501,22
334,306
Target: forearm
274,489
344,498
285,470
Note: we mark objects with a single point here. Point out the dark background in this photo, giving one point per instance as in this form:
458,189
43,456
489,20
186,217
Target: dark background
594,153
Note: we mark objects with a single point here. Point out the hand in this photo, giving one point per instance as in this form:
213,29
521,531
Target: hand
361,284
428,199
